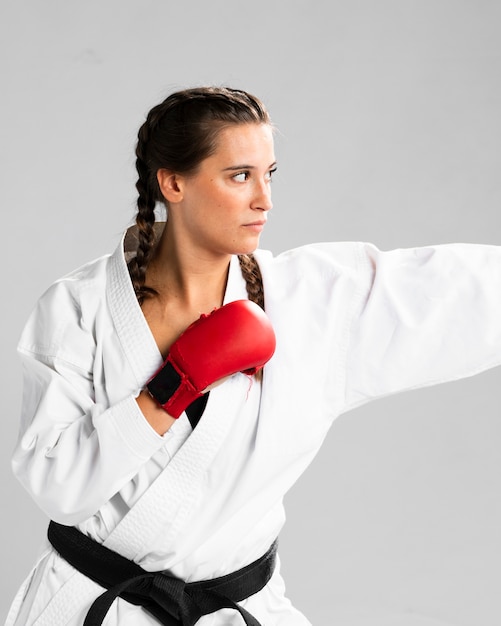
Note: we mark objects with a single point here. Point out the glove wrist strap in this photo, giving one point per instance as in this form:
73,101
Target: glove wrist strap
172,390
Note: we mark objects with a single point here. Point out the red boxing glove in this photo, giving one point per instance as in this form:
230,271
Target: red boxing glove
237,337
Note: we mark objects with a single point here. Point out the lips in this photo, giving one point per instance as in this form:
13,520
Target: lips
255,226
257,223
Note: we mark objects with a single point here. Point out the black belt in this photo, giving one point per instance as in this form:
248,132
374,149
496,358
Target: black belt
172,601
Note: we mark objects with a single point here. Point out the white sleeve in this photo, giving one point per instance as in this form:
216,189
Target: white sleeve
428,315
72,454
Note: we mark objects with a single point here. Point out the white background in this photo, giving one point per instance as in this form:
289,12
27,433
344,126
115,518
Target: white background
389,130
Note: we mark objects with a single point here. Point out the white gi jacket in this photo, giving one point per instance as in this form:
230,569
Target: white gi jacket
352,324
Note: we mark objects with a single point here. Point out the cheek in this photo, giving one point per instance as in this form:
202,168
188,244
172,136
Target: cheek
226,202
215,203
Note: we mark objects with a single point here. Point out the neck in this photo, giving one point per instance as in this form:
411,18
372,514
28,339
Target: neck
190,277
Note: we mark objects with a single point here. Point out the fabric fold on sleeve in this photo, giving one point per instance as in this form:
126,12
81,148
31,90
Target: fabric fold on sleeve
430,315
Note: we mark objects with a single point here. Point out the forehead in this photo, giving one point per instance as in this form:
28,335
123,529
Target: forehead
245,142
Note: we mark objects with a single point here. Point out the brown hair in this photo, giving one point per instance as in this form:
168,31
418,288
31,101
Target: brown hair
178,134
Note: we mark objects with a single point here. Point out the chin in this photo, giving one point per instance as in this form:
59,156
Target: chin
250,246
248,249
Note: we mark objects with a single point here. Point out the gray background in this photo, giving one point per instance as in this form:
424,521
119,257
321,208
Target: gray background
389,131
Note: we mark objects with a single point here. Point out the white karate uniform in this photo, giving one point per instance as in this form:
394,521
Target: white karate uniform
352,324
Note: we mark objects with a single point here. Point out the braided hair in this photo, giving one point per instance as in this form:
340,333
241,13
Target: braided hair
178,134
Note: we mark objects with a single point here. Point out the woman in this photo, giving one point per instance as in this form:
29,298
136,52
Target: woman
200,497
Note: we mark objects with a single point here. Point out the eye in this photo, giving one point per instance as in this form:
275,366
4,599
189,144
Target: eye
270,174
241,177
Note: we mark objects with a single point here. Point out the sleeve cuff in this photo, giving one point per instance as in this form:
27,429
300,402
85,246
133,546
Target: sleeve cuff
134,429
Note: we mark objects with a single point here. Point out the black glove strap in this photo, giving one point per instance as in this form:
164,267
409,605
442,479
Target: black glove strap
164,384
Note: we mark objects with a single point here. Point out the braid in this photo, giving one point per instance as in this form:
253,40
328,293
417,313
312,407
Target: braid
254,283
253,279
145,218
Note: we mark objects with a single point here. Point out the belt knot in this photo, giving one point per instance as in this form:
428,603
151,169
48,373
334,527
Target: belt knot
172,595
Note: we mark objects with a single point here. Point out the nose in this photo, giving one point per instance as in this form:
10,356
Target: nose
262,198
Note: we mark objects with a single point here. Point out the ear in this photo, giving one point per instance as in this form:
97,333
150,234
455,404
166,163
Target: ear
169,184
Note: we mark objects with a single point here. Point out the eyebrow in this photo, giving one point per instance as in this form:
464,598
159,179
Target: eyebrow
245,167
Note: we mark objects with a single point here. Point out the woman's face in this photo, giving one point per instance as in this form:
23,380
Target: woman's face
223,206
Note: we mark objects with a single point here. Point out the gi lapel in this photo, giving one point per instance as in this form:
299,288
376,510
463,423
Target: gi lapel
167,504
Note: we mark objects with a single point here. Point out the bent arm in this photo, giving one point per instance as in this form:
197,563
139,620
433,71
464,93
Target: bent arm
73,455
74,451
